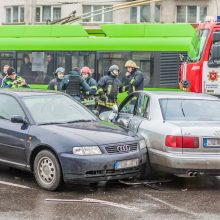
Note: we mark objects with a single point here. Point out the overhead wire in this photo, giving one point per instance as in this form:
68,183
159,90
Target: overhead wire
72,18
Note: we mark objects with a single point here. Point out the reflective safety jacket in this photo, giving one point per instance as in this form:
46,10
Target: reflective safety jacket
72,82
134,82
10,83
108,89
88,98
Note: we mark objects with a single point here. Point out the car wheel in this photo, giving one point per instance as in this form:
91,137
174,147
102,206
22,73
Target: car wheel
146,170
47,170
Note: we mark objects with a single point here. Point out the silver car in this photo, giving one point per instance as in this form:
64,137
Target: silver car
181,130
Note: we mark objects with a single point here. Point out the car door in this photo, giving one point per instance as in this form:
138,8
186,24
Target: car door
140,112
13,136
126,110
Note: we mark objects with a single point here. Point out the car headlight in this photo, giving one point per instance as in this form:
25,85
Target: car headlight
142,144
91,150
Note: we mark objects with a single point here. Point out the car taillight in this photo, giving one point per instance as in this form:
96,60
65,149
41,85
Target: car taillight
174,141
181,142
190,142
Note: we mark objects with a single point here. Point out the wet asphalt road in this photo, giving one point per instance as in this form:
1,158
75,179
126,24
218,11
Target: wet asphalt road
180,199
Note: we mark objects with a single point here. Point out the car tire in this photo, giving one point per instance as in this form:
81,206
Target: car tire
47,170
146,170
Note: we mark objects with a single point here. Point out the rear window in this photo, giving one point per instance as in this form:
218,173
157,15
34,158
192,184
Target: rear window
190,110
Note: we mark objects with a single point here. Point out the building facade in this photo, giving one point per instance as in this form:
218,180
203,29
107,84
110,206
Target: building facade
95,13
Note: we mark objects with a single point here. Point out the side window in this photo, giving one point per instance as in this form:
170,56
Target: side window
37,66
9,107
129,106
142,105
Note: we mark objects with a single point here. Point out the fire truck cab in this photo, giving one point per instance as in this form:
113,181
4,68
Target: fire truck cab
201,74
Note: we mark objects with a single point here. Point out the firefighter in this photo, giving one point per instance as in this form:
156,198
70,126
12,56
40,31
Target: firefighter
88,98
134,78
54,84
72,83
12,80
108,89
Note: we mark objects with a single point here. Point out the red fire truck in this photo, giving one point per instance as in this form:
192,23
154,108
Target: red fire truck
201,74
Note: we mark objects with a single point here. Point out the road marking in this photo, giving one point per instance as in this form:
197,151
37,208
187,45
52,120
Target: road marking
16,185
103,202
170,205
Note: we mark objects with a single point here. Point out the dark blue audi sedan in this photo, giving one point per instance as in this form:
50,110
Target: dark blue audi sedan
58,139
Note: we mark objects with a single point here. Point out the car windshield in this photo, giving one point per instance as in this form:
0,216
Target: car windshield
56,108
190,110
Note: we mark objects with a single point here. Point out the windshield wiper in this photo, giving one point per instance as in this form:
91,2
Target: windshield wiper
1,117
82,120
52,123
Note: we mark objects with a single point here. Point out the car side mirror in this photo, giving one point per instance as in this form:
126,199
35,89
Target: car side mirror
113,114
214,60
115,109
147,116
18,119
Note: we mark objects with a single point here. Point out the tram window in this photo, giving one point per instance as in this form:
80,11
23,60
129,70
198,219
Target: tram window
50,66
87,58
142,59
71,59
7,58
36,67
106,59
24,65
67,59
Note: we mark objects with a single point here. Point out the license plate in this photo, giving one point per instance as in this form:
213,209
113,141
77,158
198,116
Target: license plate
126,164
211,142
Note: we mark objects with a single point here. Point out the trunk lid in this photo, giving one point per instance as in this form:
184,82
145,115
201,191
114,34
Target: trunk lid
207,132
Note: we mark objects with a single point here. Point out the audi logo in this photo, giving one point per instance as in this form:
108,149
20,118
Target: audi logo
123,148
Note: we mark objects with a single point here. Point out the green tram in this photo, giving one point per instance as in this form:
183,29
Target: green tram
36,51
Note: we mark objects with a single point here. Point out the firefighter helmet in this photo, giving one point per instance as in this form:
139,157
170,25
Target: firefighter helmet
114,70
130,63
86,69
60,69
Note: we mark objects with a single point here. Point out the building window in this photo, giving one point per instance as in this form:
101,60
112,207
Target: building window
14,14
143,14
47,13
191,14
97,13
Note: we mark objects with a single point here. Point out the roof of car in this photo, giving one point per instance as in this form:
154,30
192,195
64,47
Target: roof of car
183,95
27,92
